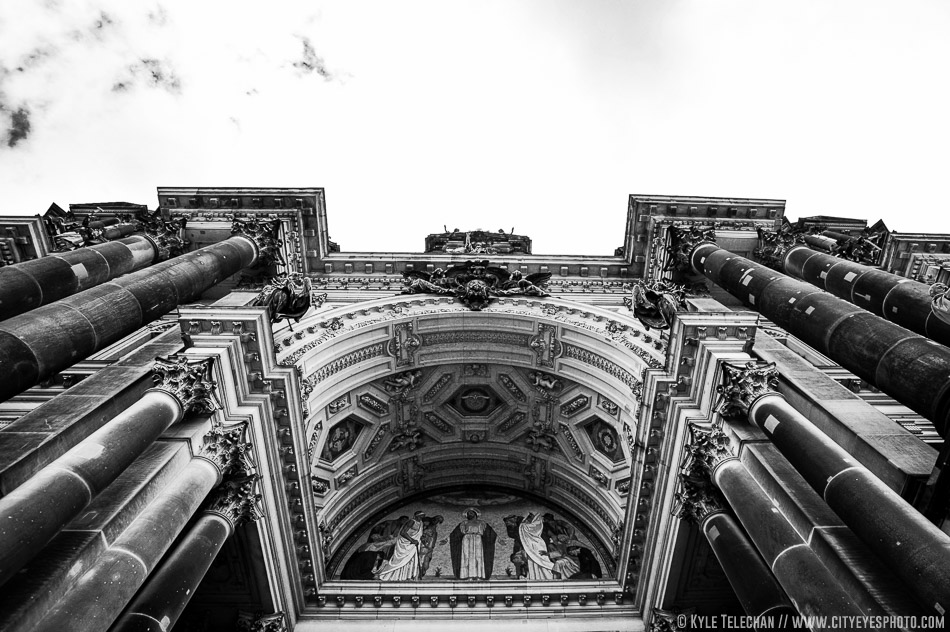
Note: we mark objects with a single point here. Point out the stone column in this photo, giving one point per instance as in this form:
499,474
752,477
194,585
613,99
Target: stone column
100,595
910,368
910,545
903,301
38,509
164,597
757,589
809,585
37,345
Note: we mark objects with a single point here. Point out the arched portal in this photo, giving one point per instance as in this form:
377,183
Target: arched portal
413,397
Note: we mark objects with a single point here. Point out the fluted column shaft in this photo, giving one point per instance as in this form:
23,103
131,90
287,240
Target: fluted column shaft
38,509
910,368
811,587
28,285
160,603
754,584
100,595
51,338
911,546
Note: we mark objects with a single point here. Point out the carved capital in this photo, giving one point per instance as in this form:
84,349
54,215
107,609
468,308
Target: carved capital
276,622
188,381
226,448
655,303
265,234
774,244
682,239
698,498
708,448
666,621
165,235
940,303
236,500
742,385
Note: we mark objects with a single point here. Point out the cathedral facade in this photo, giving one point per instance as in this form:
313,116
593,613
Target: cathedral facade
215,418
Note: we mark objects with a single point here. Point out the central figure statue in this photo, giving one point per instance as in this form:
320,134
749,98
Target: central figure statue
472,545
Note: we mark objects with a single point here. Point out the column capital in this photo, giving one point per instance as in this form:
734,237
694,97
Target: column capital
226,448
276,622
743,385
940,301
166,236
667,621
773,244
698,498
682,239
265,233
236,500
708,448
189,381
655,303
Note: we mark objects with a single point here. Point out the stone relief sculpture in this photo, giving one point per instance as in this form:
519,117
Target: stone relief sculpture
655,303
498,536
287,296
475,283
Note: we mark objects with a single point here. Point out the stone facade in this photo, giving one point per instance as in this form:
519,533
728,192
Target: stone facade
472,432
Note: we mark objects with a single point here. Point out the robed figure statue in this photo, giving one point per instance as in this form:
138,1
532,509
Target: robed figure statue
472,545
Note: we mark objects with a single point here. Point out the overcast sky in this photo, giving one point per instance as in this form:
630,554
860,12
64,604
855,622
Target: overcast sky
539,115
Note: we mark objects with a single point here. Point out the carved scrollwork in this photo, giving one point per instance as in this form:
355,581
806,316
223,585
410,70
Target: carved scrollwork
264,232
742,385
236,500
189,382
774,244
697,498
708,448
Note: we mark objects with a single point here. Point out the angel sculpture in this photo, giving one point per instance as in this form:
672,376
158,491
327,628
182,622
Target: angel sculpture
475,283
418,282
287,296
655,304
529,285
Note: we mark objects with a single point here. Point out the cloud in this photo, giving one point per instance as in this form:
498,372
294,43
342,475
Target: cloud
19,126
154,73
311,62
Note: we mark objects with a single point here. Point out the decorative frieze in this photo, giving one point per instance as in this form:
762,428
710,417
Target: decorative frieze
437,387
190,382
575,405
375,441
579,455
511,387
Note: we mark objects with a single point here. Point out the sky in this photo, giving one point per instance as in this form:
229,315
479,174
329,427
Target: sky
537,115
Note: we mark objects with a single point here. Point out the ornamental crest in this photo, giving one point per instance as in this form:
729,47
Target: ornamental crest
475,283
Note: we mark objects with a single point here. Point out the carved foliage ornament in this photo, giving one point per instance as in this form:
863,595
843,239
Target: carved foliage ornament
682,239
264,233
709,447
166,236
475,283
655,303
742,385
188,381
226,448
697,498
774,244
287,296
236,500
276,622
